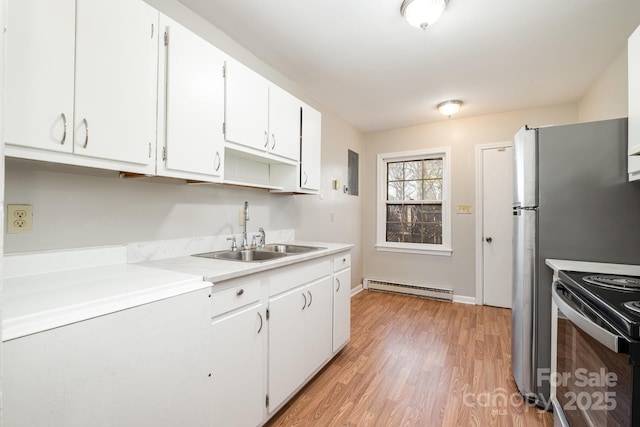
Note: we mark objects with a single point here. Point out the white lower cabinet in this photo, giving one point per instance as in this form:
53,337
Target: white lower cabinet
239,332
299,337
148,365
341,301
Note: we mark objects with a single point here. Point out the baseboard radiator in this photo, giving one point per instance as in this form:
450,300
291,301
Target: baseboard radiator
441,294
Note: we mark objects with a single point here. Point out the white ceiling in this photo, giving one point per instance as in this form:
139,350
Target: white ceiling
361,59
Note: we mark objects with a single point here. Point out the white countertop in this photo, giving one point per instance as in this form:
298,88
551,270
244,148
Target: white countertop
593,267
40,302
94,282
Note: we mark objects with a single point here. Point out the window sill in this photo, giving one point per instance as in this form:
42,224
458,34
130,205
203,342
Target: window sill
443,251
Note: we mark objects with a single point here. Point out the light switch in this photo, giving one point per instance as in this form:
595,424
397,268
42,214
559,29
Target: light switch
463,209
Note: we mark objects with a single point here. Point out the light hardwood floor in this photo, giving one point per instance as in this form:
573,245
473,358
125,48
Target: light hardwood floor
417,362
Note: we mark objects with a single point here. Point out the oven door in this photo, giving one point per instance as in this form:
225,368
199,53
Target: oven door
593,374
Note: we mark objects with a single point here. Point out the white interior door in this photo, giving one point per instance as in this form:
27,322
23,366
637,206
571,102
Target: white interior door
497,248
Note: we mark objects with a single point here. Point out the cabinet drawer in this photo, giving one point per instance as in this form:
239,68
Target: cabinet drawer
341,262
286,278
233,297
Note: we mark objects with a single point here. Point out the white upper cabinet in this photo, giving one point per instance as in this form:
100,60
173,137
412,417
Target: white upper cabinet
191,105
116,73
260,116
634,105
39,74
81,82
311,149
246,106
284,124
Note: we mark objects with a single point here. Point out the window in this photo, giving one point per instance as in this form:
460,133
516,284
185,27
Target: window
414,202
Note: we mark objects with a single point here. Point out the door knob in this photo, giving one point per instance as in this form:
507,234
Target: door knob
488,239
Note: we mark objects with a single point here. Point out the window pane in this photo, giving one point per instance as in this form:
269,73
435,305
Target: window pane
432,168
412,190
432,213
413,170
394,171
432,189
394,190
415,223
394,213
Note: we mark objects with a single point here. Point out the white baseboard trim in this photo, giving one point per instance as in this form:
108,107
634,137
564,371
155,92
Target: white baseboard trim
464,300
356,290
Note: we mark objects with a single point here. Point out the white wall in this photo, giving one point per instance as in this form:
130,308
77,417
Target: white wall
458,270
608,97
77,207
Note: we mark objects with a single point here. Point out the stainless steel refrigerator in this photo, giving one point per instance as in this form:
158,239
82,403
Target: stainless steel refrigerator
571,201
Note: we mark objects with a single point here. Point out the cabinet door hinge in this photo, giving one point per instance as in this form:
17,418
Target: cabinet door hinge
224,71
224,129
164,153
166,38
149,150
267,314
266,401
152,30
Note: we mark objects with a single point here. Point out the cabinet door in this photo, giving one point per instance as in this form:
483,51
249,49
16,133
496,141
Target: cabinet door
286,345
317,319
284,124
116,74
341,308
311,148
246,106
39,74
238,368
193,97
145,366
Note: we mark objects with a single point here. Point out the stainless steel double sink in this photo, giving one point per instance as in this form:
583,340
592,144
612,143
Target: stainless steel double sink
265,253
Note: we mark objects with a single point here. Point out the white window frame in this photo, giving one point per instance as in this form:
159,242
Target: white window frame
443,249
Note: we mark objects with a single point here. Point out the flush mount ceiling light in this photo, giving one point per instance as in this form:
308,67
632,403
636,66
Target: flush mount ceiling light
449,108
422,13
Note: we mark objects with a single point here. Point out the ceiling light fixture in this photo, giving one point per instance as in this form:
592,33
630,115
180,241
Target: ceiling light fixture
422,13
449,108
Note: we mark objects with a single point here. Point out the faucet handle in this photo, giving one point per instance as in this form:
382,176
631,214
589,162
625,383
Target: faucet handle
234,244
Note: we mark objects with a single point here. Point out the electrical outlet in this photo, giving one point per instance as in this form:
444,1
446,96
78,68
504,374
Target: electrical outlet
240,217
19,219
332,216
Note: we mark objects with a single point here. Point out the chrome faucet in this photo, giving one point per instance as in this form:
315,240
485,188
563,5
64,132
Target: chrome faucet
245,243
263,237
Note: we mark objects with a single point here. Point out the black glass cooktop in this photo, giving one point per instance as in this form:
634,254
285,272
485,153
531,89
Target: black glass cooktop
615,297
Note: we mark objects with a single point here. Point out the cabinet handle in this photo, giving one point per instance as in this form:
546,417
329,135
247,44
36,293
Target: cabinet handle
260,328
86,133
219,161
64,123
305,301
305,178
266,139
240,292
338,280
273,137
310,298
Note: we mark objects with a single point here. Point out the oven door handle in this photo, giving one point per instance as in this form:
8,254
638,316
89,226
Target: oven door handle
603,336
